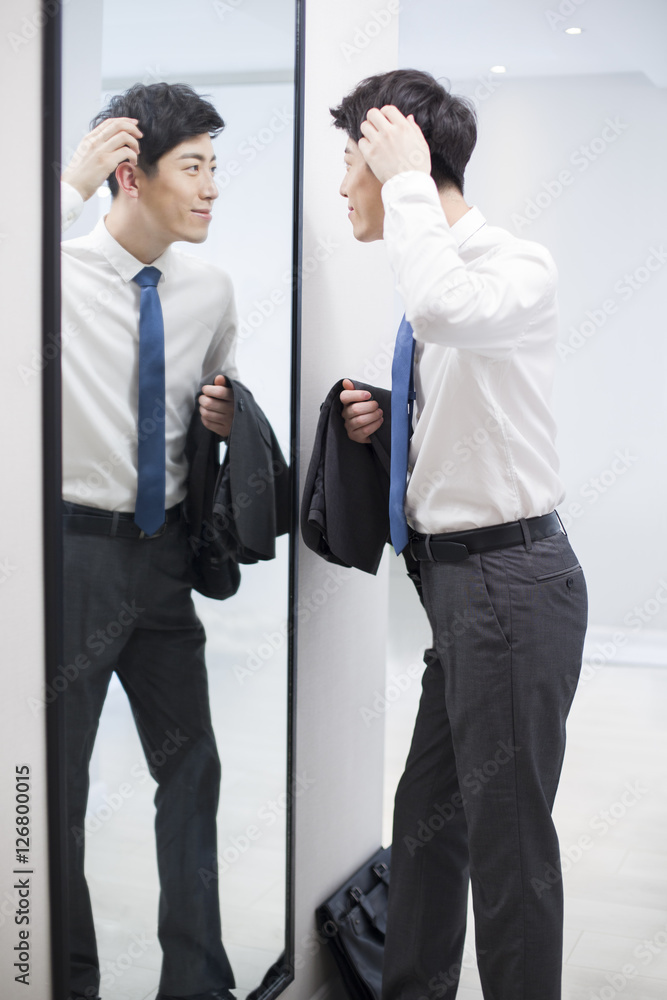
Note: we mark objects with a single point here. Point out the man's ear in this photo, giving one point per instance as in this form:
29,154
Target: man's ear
126,175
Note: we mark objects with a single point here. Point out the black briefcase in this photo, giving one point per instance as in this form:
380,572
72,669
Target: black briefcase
354,922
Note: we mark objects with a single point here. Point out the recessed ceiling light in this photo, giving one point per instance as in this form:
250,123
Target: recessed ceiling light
498,69
573,31
103,192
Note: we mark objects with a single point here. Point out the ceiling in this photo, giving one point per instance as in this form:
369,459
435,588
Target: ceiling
197,39
458,39
461,39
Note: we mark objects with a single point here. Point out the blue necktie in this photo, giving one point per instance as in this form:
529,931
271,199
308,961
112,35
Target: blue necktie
402,397
149,507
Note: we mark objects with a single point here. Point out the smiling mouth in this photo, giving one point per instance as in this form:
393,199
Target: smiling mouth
202,213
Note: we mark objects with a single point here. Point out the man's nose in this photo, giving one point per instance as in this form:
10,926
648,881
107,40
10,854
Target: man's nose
210,188
343,187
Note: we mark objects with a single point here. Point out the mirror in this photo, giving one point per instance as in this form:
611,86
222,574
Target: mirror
241,55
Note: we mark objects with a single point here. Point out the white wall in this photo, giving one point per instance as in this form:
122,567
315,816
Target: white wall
22,732
602,225
576,162
347,313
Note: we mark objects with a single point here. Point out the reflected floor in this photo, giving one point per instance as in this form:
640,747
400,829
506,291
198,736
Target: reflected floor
616,887
246,657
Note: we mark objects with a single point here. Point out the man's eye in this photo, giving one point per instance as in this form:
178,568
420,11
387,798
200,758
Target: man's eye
194,166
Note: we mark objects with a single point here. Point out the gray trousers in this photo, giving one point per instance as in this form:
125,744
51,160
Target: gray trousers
474,803
128,608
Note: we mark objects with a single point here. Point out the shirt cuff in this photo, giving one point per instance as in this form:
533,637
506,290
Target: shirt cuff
408,183
71,205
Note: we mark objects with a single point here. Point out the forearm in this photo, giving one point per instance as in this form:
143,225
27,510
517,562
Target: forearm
485,309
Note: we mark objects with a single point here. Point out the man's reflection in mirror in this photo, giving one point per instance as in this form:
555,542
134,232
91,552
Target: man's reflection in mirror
144,327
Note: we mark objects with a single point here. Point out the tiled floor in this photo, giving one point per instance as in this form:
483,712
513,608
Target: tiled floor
612,794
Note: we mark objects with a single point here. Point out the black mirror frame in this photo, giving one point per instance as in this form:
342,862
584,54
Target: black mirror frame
52,479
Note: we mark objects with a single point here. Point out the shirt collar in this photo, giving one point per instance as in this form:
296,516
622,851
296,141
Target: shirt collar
467,226
121,260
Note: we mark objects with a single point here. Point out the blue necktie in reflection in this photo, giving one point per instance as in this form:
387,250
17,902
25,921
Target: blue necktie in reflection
402,398
149,507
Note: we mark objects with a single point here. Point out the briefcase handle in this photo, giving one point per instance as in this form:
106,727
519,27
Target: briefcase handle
382,872
378,920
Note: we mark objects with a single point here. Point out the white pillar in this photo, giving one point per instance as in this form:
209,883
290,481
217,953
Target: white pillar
346,318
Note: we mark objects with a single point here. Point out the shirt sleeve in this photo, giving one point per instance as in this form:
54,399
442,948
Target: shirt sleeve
487,309
71,205
221,355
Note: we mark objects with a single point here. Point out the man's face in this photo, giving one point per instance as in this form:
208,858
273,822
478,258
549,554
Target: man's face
362,189
176,202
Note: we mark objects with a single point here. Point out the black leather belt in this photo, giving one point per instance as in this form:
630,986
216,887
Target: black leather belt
454,546
117,524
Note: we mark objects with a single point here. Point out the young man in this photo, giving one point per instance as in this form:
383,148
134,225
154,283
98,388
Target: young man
143,327
504,593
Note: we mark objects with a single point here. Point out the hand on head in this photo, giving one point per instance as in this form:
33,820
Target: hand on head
392,144
114,141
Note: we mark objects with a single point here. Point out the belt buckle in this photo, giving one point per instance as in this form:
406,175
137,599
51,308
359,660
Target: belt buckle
456,552
413,537
156,534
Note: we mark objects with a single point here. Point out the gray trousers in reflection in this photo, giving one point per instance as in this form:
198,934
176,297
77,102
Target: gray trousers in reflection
128,608
474,803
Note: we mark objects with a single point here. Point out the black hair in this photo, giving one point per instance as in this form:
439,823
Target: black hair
168,113
448,121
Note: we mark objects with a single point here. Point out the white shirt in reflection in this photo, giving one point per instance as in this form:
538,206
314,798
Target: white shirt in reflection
100,363
482,304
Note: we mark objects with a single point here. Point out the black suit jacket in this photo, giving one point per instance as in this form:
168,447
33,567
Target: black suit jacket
234,512
345,507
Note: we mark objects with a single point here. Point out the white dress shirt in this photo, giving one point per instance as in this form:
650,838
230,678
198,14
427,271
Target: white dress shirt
482,304
71,205
100,362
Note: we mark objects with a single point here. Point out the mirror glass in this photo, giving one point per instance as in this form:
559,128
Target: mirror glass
571,140
240,54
